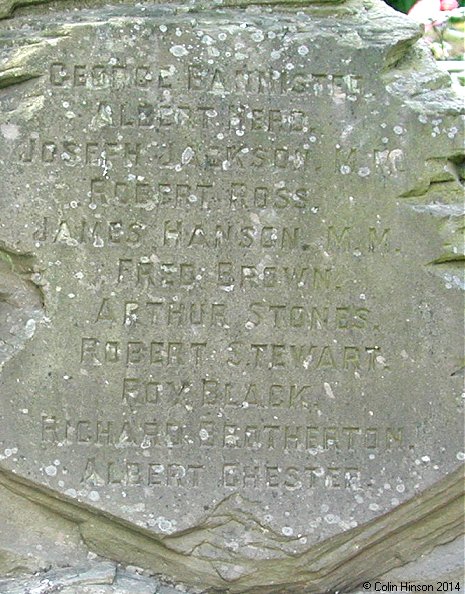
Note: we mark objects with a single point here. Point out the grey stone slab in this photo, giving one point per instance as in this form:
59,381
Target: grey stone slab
62,580
96,577
231,273
33,539
443,564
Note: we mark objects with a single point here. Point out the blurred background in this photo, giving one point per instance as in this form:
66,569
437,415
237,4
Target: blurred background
444,22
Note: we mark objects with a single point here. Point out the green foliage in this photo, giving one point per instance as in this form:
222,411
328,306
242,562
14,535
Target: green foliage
406,5
401,5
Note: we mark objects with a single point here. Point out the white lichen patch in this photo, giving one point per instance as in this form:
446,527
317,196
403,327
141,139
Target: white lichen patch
364,171
178,51
328,390
50,470
287,531
203,434
165,525
9,131
187,155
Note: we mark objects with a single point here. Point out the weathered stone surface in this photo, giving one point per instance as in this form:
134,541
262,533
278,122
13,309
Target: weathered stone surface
444,564
76,578
339,564
231,264
34,539
21,306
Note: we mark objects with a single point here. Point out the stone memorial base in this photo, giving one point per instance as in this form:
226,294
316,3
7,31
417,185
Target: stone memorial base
231,300
41,552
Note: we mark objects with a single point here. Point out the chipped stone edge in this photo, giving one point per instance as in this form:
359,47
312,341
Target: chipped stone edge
434,517
7,7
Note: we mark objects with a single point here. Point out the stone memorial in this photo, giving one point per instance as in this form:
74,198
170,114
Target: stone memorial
231,274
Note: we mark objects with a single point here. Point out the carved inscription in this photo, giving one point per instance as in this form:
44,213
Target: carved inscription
229,309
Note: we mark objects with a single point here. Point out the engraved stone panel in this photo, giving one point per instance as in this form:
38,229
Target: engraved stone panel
230,271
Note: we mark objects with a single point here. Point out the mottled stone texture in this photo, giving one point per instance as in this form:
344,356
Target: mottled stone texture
231,308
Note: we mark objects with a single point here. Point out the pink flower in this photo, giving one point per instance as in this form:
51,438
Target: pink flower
449,4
